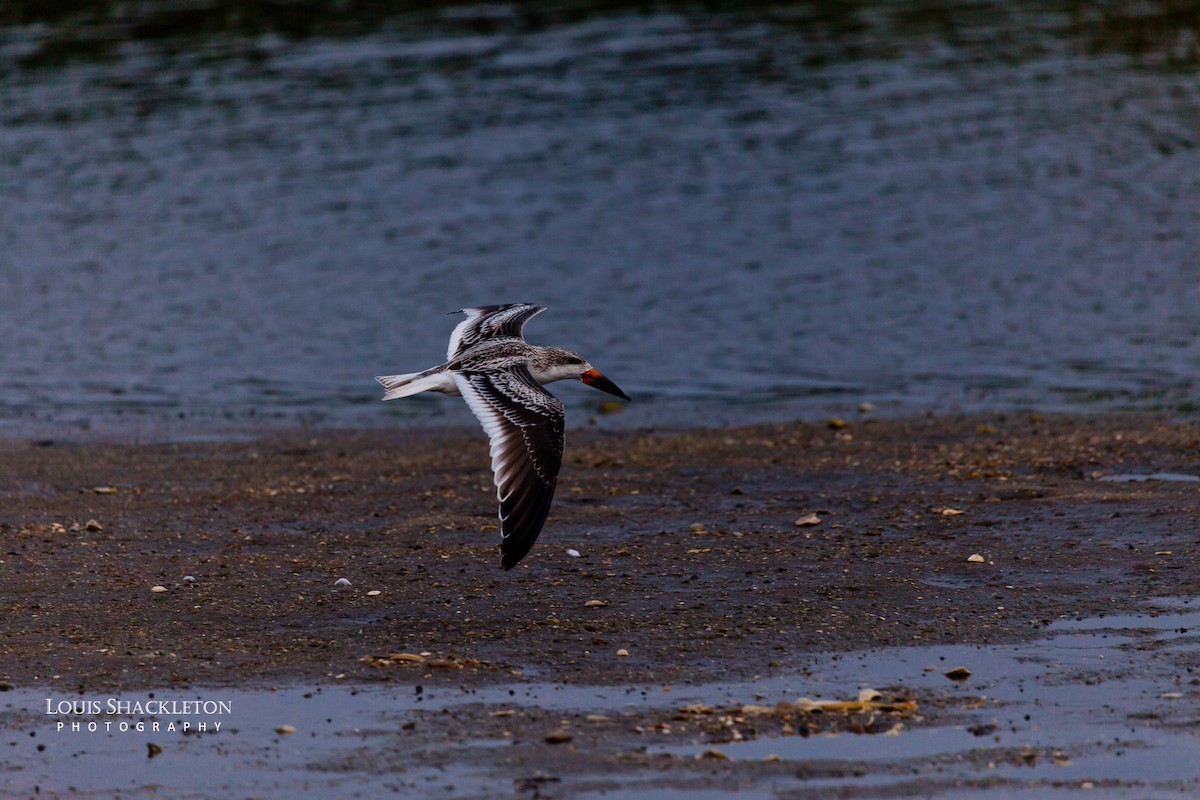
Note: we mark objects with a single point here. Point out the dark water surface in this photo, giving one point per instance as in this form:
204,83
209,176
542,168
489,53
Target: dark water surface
736,216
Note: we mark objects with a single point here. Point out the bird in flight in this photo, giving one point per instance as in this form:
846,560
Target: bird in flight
500,375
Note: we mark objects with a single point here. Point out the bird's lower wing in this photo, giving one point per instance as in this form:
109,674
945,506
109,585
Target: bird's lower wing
524,424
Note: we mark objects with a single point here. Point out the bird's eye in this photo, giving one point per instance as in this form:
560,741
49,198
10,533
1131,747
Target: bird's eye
574,360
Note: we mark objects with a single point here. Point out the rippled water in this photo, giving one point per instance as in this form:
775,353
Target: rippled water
735,216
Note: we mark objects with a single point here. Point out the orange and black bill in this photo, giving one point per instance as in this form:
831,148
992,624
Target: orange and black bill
595,379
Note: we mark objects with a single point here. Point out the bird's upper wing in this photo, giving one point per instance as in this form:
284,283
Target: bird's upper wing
487,322
524,423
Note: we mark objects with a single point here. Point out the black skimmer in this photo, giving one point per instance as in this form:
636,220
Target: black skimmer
500,375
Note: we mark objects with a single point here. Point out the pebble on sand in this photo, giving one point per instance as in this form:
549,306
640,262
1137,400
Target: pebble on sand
158,589
715,754
572,552
975,558
341,582
93,526
285,730
958,674
374,593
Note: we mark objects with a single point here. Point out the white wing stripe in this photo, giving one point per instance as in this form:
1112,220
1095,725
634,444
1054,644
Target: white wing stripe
495,425
457,334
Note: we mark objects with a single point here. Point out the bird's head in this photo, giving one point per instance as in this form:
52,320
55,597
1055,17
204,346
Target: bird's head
569,364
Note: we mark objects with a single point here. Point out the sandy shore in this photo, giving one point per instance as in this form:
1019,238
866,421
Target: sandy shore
690,541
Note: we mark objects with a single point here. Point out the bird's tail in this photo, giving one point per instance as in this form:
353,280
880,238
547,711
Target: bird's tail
413,383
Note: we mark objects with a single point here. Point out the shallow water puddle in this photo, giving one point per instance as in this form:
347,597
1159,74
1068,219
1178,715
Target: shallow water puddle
1105,703
1178,477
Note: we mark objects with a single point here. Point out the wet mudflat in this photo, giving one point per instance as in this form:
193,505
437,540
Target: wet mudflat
1102,705
721,574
